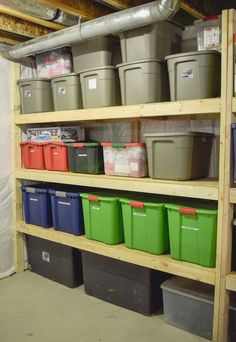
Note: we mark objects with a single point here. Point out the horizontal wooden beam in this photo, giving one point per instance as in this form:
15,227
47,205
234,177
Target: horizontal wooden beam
21,27
17,14
86,9
10,39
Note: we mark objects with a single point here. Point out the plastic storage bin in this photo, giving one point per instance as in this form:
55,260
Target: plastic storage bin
66,92
189,39
55,261
86,158
194,75
179,156
37,205
103,218
54,62
32,155
151,41
56,156
130,286
189,305
100,87
208,33
192,234
95,53
125,159
67,211
145,225
35,95
143,82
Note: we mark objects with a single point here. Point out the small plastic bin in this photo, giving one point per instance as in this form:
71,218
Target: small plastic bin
103,218
55,261
189,305
66,92
67,211
179,156
192,234
32,154
95,53
37,205
130,286
189,39
151,41
145,225
143,82
125,159
55,62
64,134
86,158
208,33
100,87
35,95
194,75
56,156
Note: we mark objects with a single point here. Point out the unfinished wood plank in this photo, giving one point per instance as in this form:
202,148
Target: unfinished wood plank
224,234
231,281
22,27
86,9
135,130
29,18
149,110
161,262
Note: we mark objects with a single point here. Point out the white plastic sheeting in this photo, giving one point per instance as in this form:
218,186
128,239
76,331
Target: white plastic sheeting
6,171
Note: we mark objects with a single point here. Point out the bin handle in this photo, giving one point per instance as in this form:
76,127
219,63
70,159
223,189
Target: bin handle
136,204
187,211
93,198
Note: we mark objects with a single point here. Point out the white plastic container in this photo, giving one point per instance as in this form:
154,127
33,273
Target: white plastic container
208,33
125,159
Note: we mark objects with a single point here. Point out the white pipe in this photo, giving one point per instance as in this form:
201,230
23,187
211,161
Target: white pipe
111,24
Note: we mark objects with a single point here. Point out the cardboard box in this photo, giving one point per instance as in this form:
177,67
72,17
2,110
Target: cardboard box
64,134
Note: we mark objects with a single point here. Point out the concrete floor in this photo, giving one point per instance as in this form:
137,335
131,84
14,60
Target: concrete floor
35,309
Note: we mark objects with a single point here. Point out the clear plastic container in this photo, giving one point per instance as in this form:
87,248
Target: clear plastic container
54,63
208,33
125,159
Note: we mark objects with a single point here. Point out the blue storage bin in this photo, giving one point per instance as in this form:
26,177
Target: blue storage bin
37,205
67,212
234,147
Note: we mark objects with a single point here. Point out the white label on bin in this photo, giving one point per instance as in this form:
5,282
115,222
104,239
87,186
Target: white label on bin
64,203
55,153
45,256
27,93
92,83
189,228
211,37
187,73
33,199
61,91
82,155
133,166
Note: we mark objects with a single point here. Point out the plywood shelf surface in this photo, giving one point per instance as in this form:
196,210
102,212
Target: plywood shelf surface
202,107
203,189
162,262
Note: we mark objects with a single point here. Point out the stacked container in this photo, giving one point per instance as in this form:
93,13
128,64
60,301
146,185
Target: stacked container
143,74
95,61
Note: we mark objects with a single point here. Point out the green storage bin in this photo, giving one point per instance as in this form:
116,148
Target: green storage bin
100,87
66,92
103,218
193,234
86,158
35,95
145,226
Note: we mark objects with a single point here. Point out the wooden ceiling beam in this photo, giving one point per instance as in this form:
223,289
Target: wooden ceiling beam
86,9
22,27
17,14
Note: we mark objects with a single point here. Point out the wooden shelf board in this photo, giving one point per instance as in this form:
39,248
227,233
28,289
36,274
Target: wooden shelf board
203,189
232,195
231,281
202,107
162,262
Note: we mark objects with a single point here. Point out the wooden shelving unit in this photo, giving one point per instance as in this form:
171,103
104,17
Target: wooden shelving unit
220,191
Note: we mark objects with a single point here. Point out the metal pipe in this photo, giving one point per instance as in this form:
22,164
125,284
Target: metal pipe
111,24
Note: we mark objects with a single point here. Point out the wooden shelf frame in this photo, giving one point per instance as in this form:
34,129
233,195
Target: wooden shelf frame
221,108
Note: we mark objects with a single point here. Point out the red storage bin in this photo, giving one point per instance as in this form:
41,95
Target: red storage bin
32,155
56,156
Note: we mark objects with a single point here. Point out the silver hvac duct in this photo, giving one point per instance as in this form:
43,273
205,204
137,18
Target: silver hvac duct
110,24
36,10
